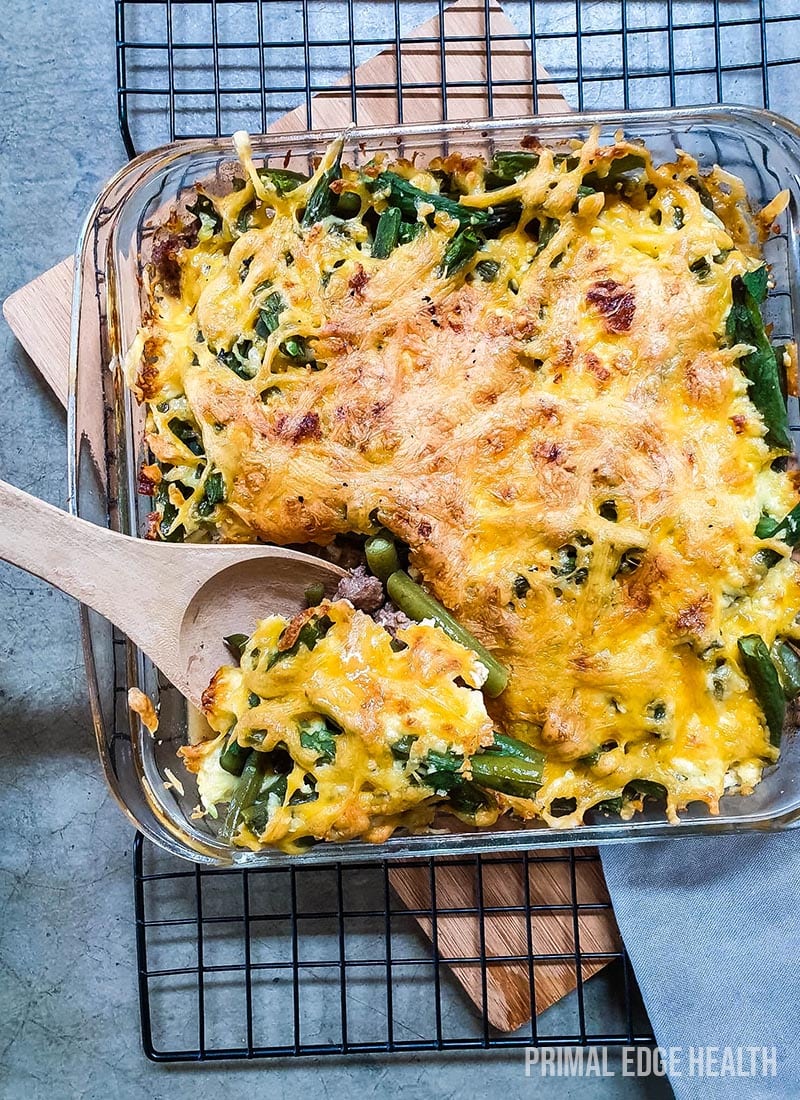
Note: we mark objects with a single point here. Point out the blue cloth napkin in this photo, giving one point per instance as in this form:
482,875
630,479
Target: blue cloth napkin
712,927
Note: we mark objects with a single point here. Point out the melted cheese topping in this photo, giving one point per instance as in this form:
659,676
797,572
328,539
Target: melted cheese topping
373,698
568,450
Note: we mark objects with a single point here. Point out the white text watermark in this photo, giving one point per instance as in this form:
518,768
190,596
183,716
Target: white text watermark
647,1061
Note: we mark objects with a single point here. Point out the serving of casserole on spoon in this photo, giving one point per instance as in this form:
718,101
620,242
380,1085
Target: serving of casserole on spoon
334,725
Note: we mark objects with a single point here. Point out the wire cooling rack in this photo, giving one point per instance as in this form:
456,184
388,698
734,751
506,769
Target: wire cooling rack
189,68
313,960
275,963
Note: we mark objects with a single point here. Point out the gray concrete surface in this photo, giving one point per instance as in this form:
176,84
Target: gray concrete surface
68,992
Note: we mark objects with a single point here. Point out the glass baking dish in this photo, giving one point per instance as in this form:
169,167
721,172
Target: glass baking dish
105,433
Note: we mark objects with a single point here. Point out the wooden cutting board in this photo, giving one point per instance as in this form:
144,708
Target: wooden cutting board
39,315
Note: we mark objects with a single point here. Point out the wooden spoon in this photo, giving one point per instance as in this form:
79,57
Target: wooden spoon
176,602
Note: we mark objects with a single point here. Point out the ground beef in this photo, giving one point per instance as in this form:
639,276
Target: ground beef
345,554
391,619
168,242
364,591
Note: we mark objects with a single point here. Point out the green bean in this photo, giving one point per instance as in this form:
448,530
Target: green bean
521,586
317,736
236,644
187,434
592,758
508,167
409,597
768,558
271,794
322,200
245,794
644,788
409,231
238,358
766,526
787,529
487,270
382,559
269,315
208,216
310,633
406,197
307,793
501,217
627,169
214,494
401,748
441,771
511,746
283,180
508,765
763,676
458,252
243,220
507,774
233,758
315,594
348,205
467,799
168,513
386,233
705,195
745,325
297,348
787,661
548,230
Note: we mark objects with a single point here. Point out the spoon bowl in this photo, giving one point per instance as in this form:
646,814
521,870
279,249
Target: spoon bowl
234,598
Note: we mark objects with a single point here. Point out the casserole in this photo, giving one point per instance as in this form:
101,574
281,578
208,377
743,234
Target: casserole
739,141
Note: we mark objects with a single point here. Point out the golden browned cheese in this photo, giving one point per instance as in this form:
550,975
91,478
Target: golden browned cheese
375,698
568,450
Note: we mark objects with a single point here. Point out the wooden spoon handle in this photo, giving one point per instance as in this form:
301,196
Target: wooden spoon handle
172,601
52,544
103,569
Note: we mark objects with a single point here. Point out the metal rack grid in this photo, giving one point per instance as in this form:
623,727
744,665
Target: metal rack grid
312,960
191,68
230,963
